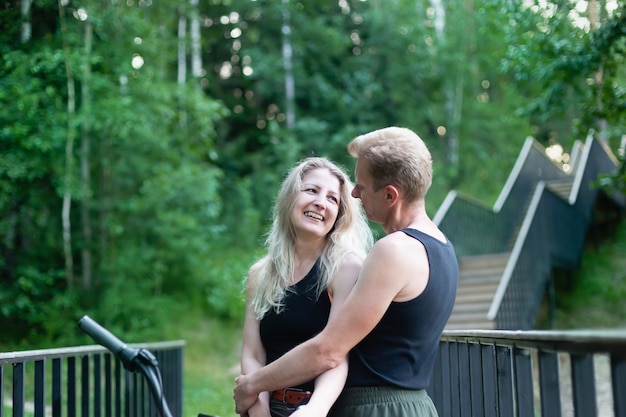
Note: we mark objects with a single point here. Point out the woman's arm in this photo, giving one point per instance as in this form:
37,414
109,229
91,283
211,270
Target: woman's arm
252,351
329,384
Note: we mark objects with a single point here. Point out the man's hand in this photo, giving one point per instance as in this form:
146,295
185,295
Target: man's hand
243,398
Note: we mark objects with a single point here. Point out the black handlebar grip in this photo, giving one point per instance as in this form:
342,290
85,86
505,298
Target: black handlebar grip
101,335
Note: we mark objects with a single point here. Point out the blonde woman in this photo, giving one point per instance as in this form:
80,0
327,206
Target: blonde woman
315,248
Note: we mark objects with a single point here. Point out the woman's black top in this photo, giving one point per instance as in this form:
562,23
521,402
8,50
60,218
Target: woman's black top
303,316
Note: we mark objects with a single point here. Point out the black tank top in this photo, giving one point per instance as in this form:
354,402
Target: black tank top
303,316
400,351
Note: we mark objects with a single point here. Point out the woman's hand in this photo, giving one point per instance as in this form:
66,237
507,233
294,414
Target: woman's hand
258,409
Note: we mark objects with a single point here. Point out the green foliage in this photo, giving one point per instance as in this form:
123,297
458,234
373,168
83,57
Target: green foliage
614,183
29,303
182,176
223,284
567,71
31,133
597,295
154,197
171,182
121,313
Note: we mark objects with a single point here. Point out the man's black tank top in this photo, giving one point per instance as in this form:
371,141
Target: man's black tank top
303,316
400,351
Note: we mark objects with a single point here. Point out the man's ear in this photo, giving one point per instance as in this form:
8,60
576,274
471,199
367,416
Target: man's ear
391,194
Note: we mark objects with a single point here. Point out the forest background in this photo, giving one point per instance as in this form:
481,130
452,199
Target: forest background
142,142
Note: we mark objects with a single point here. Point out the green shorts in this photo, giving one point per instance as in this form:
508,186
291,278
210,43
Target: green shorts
383,402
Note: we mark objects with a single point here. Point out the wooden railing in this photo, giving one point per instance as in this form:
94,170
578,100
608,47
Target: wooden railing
478,373
86,381
531,374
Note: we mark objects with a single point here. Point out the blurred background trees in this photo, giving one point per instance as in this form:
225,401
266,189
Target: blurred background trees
142,142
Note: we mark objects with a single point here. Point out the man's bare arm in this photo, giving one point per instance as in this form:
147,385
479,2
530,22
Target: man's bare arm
360,313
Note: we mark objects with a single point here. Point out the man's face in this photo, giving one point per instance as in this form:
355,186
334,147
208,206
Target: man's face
372,201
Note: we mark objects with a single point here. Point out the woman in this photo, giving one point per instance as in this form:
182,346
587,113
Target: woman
315,248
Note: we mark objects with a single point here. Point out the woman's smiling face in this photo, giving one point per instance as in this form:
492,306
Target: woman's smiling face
317,204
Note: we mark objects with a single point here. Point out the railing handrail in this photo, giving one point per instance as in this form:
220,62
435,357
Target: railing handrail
580,173
444,206
515,172
588,340
64,352
515,252
449,200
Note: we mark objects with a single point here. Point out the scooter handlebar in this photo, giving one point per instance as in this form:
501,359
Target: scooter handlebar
101,335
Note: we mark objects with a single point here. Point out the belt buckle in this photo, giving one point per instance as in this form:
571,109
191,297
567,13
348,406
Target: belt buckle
286,391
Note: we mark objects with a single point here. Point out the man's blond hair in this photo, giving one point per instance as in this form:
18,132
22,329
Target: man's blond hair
396,156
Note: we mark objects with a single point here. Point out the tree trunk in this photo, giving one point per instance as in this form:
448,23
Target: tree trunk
69,151
594,23
26,23
182,47
196,46
288,67
450,93
85,158
182,65
456,113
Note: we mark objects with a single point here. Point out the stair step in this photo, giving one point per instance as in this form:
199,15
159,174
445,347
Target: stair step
495,262
479,308
562,188
479,277
485,288
468,317
473,300
469,297
477,285
477,325
480,271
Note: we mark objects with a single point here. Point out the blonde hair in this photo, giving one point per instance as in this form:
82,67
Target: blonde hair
349,235
397,156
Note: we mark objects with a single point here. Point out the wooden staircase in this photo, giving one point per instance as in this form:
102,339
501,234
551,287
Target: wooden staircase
562,188
479,277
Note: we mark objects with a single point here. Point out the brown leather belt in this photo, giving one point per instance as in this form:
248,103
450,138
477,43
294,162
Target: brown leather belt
291,396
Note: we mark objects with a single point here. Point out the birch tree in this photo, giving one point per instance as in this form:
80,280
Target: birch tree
453,70
26,23
287,53
69,150
85,153
196,41
182,47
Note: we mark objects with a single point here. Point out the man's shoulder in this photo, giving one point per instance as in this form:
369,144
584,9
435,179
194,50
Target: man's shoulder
396,245
395,240
394,263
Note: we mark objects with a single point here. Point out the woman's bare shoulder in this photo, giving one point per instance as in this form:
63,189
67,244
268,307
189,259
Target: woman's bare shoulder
255,271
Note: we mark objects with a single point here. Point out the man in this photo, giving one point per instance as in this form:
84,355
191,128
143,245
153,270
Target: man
393,318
